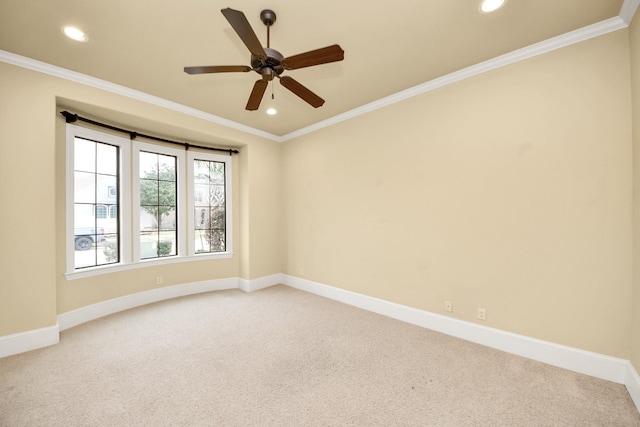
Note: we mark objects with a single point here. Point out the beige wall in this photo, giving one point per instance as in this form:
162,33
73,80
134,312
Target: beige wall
34,289
265,224
27,180
509,191
635,87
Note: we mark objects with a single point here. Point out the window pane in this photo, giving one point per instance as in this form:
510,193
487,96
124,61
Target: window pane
200,216
167,167
217,173
218,219
148,245
167,216
201,195
108,250
216,240
148,218
106,191
201,171
216,195
148,165
153,245
84,187
106,159
84,155
201,242
83,215
167,243
84,258
167,193
148,192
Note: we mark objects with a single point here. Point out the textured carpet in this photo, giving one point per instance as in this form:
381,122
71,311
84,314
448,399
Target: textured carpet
282,357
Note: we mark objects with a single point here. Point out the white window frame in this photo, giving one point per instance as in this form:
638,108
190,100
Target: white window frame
129,215
181,250
197,155
124,167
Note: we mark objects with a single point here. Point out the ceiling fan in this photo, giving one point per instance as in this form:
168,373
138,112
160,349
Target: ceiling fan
270,63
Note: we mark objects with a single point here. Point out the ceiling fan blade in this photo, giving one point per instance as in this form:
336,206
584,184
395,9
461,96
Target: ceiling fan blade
324,55
304,93
256,95
217,69
242,27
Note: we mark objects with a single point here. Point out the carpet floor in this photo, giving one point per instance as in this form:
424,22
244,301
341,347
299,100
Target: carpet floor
283,357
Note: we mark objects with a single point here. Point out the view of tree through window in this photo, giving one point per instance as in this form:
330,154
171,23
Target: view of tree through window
158,205
95,180
210,206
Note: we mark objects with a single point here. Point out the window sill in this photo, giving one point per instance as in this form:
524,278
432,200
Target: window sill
114,268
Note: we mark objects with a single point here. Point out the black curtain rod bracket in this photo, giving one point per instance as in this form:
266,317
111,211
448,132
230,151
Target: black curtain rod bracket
71,118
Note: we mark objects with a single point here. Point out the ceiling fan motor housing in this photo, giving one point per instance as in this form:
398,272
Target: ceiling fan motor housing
273,63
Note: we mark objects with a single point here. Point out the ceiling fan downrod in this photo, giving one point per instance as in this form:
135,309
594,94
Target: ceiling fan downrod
268,18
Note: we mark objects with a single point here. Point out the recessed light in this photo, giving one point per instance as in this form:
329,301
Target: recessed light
272,111
75,34
488,6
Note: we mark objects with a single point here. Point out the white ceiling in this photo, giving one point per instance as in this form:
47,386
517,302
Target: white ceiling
389,46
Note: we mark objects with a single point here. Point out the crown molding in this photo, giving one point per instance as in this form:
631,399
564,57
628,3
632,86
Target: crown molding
567,39
628,10
63,73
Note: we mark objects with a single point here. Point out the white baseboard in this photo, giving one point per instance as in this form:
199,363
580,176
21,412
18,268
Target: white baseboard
585,362
105,308
633,384
260,283
29,340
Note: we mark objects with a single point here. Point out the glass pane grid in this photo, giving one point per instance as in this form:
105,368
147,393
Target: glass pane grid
158,205
209,207
96,239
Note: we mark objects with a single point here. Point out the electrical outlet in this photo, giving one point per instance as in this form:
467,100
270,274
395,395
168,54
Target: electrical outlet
482,314
159,280
448,306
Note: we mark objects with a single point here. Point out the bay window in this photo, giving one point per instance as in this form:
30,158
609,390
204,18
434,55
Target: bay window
131,203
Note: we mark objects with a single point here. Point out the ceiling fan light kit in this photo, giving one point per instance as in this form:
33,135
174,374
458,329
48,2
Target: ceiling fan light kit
270,63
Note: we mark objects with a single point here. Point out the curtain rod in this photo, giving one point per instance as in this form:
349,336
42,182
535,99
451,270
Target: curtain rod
70,118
